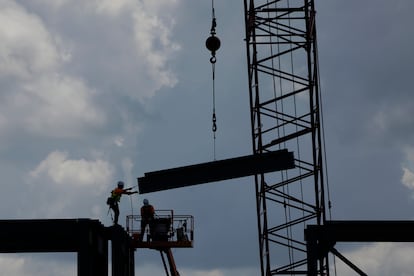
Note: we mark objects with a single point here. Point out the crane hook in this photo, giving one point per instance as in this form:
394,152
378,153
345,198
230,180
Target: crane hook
213,42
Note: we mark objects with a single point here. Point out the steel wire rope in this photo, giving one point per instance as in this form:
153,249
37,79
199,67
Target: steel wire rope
323,138
324,147
287,213
284,175
324,144
214,118
296,114
296,125
132,208
213,63
292,73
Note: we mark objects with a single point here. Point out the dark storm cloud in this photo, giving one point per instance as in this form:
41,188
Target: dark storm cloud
369,48
365,58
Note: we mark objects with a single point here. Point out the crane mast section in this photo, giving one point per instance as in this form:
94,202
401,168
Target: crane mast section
285,114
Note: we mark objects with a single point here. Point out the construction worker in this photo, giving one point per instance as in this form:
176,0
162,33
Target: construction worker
115,198
147,216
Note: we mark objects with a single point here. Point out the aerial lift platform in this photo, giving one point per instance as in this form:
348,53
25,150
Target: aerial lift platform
164,232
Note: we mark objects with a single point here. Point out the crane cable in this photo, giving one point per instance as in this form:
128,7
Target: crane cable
325,154
214,118
213,44
282,131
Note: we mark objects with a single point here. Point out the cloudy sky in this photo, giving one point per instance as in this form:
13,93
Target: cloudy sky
96,91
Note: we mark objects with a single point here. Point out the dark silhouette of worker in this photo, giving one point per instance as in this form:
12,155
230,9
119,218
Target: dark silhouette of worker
115,198
147,216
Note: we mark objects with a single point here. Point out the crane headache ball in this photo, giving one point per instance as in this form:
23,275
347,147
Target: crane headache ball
213,44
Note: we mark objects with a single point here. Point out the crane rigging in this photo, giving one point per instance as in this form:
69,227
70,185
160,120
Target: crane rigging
280,36
213,44
288,160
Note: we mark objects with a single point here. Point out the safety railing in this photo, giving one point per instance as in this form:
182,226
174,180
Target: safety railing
165,230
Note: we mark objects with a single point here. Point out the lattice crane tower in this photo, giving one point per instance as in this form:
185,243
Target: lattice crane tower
285,114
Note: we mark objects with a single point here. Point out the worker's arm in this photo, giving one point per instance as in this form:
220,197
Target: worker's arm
126,191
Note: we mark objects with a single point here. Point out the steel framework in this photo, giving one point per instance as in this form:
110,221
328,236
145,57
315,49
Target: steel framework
285,114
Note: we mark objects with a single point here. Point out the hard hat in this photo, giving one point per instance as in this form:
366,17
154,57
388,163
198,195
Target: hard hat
120,184
146,202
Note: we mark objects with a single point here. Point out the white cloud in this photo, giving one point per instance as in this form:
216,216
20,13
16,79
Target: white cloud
60,186
380,259
407,168
145,30
149,24
221,272
146,269
43,99
52,3
119,141
11,265
57,106
408,178
153,42
393,118
27,47
63,107
75,173
31,264
113,7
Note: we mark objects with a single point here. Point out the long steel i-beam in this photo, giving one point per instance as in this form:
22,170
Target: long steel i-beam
215,171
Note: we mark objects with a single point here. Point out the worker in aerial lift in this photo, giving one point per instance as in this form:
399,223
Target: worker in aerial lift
115,198
147,216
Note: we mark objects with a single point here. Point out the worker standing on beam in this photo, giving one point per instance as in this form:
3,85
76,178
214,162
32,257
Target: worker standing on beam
115,198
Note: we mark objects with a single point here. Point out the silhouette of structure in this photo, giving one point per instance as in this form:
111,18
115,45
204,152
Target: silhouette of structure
88,238
321,239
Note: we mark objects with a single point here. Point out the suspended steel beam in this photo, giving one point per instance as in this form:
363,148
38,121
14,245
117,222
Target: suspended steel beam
215,171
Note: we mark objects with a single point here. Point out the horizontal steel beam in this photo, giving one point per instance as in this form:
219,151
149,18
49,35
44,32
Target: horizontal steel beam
49,235
362,231
86,237
320,239
215,171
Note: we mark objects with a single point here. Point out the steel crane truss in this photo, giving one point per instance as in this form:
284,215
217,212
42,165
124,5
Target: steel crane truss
284,105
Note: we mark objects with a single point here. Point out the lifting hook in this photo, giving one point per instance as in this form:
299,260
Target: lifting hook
213,42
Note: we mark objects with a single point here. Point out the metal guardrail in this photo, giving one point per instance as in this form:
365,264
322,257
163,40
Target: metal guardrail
165,230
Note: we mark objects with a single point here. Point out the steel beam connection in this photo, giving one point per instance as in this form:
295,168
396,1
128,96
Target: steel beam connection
88,238
321,239
361,231
216,171
83,236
